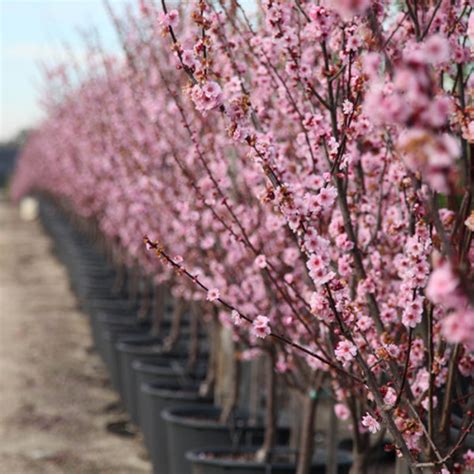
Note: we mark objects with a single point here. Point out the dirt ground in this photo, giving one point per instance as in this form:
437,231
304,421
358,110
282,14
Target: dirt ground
55,398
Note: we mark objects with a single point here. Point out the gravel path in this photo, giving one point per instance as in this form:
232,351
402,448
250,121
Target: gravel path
55,398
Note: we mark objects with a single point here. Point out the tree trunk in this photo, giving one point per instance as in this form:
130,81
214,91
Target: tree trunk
178,312
331,445
158,310
194,344
359,461
146,301
120,277
296,419
307,435
256,374
226,371
207,386
401,466
133,284
230,402
264,453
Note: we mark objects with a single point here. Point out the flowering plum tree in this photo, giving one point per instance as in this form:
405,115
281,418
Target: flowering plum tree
308,173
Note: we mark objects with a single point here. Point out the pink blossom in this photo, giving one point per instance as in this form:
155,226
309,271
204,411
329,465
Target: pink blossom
470,28
207,97
347,107
213,294
261,261
441,284
188,58
211,89
342,412
322,21
430,153
370,423
251,354
390,396
282,365
438,112
345,351
421,383
208,242
469,459
352,45
468,131
425,403
321,276
413,312
444,150
315,262
170,19
326,197
344,266
236,318
371,63
412,439
436,48
469,222
349,8
466,365
393,350
343,242
261,326
458,327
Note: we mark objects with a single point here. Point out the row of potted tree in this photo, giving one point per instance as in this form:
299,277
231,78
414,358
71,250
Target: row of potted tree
302,177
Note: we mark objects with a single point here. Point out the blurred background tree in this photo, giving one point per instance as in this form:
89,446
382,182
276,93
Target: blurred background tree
8,152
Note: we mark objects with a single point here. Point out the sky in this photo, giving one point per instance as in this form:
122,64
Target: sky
33,31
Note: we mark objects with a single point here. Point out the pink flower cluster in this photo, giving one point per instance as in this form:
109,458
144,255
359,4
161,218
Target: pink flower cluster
313,172
206,97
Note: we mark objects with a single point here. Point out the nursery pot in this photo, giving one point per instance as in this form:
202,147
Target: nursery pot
198,426
108,341
112,335
111,339
168,371
164,371
115,306
105,322
145,350
242,461
154,398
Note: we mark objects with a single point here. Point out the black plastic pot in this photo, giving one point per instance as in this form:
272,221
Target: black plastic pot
122,307
108,323
113,328
109,339
188,428
168,371
145,350
228,461
103,322
154,398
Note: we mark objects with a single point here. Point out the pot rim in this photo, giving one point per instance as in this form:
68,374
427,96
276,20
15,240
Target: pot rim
188,416
167,366
196,456
172,391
